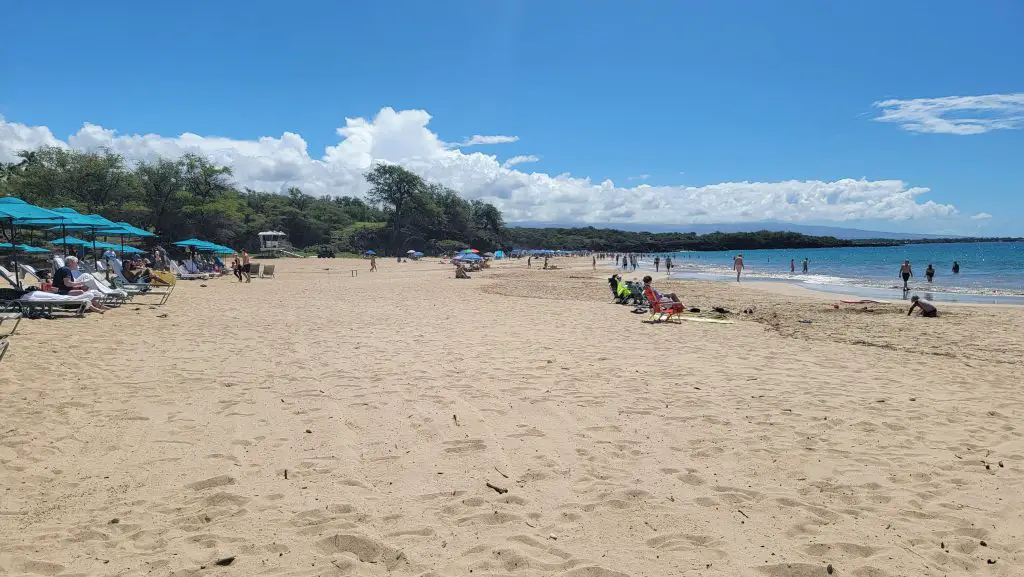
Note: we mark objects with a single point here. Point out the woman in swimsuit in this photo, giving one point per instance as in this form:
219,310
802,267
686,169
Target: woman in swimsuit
929,273
906,273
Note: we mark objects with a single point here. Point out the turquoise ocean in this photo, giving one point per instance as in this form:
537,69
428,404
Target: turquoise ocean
989,271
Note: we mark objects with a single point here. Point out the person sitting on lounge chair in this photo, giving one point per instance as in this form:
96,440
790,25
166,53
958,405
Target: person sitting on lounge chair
663,297
65,285
135,273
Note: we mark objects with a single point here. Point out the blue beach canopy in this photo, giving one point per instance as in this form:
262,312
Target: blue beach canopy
371,252
469,256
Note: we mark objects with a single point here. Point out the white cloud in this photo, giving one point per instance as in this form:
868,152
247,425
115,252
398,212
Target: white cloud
982,216
520,160
478,139
955,114
638,177
16,137
276,163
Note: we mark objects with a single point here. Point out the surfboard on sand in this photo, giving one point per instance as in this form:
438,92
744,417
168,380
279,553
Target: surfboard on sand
706,320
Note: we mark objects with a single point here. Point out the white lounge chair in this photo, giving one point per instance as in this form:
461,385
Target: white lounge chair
268,271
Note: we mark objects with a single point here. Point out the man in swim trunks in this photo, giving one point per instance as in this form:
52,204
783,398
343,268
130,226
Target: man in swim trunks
737,264
927,308
906,273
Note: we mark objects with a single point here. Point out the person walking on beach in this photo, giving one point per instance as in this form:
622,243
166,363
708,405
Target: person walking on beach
805,266
956,267
236,267
906,272
792,265
373,263
594,261
927,308
246,266
529,261
657,261
625,262
929,273
668,265
737,264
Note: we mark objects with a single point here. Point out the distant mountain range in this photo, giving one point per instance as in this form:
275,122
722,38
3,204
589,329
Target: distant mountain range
812,230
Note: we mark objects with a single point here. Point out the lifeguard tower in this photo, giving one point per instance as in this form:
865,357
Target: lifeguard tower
272,241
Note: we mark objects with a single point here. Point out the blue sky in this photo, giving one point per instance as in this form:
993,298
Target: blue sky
682,99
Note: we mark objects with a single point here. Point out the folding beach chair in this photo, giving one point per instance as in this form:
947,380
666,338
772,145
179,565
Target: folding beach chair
661,312
268,271
254,269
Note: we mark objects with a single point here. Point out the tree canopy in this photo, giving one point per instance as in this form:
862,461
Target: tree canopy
193,197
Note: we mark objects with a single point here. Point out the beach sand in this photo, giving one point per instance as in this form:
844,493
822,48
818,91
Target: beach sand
324,424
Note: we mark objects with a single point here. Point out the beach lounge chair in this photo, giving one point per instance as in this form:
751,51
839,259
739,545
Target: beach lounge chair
3,346
138,289
254,269
661,311
268,271
37,302
183,274
8,276
10,312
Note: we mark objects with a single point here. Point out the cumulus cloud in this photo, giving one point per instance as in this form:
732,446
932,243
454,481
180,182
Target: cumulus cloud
955,114
520,160
403,137
981,216
497,139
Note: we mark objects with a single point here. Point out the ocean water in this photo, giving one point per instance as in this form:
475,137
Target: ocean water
990,269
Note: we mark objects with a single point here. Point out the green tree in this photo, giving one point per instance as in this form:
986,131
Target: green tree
395,189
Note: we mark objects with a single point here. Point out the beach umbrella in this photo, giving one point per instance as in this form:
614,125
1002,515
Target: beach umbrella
95,223
410,252
131,250
469,256
23,247
70,241
490,254
17,212
370,252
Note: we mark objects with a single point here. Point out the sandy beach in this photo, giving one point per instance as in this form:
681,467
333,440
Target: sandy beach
406,423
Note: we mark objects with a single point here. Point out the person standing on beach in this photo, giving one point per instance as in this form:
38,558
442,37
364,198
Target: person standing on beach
668,265
929,273
792,265
737,264
236,267
529,261
373,263
805,266
956,267
657,262
594,261
246,266
906,272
